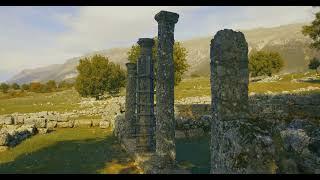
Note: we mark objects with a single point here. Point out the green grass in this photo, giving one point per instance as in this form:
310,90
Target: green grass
200,86
191,87
36,102
194,154
91,150
81,150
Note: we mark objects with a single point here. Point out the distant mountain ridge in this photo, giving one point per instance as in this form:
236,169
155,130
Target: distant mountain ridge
286,39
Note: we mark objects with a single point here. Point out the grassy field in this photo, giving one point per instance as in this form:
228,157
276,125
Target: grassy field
201,86
94,150
87,150
68,100
90,150
36,102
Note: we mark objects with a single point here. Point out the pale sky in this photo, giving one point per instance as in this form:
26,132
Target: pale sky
38,36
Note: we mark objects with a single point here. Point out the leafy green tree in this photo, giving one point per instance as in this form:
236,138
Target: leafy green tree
51,85
314,64
98,75
4,87
313,31
265,63
25,87
15,86
179,58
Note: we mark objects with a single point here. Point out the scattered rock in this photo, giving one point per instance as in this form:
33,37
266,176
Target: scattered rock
104,124
3,148
43,130
295,140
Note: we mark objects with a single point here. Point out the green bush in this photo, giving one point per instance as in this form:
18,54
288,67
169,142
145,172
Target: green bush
265,63
314,64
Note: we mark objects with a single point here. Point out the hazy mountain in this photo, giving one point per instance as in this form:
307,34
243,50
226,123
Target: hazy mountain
287,40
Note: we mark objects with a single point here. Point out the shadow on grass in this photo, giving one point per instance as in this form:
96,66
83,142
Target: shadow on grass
76,156
316,81
194,154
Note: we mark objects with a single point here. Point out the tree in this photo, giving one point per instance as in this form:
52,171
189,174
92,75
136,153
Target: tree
35,87
51,85
313,31
314,64
179,58
4,87
15,86
98,75
25,86
265,63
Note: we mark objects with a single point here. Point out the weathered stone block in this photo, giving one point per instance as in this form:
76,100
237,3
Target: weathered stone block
5,139
68,124
40,122
195,133
29,121
295,140
3,148
8,120
42,130
180,134
62,118
104,124
96,122
53,117
83,123
51,124
19,119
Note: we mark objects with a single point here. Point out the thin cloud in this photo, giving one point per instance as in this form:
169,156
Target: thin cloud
37,36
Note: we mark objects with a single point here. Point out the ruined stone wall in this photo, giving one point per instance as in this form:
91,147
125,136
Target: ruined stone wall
263,107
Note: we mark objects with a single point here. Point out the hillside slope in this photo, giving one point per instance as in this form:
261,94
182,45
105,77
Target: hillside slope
287,40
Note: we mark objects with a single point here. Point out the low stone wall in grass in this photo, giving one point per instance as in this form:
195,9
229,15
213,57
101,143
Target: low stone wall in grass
11,135
291,121
51,120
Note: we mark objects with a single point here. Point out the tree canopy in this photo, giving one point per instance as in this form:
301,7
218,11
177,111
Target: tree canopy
179,58
98,75
4,87
265,63
313,31
314,64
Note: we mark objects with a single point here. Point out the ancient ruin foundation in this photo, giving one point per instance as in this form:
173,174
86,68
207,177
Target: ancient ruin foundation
229,89
165,128
130,114
145,98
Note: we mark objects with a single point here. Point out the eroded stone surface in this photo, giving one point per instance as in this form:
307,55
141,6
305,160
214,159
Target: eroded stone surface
165,123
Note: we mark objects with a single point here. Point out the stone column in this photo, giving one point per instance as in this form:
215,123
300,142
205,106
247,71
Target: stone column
145,103
130,114
229,90
165,123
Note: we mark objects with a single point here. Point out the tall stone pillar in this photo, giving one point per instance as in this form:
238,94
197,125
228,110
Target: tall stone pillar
130,114
145,98
165,123
229,90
